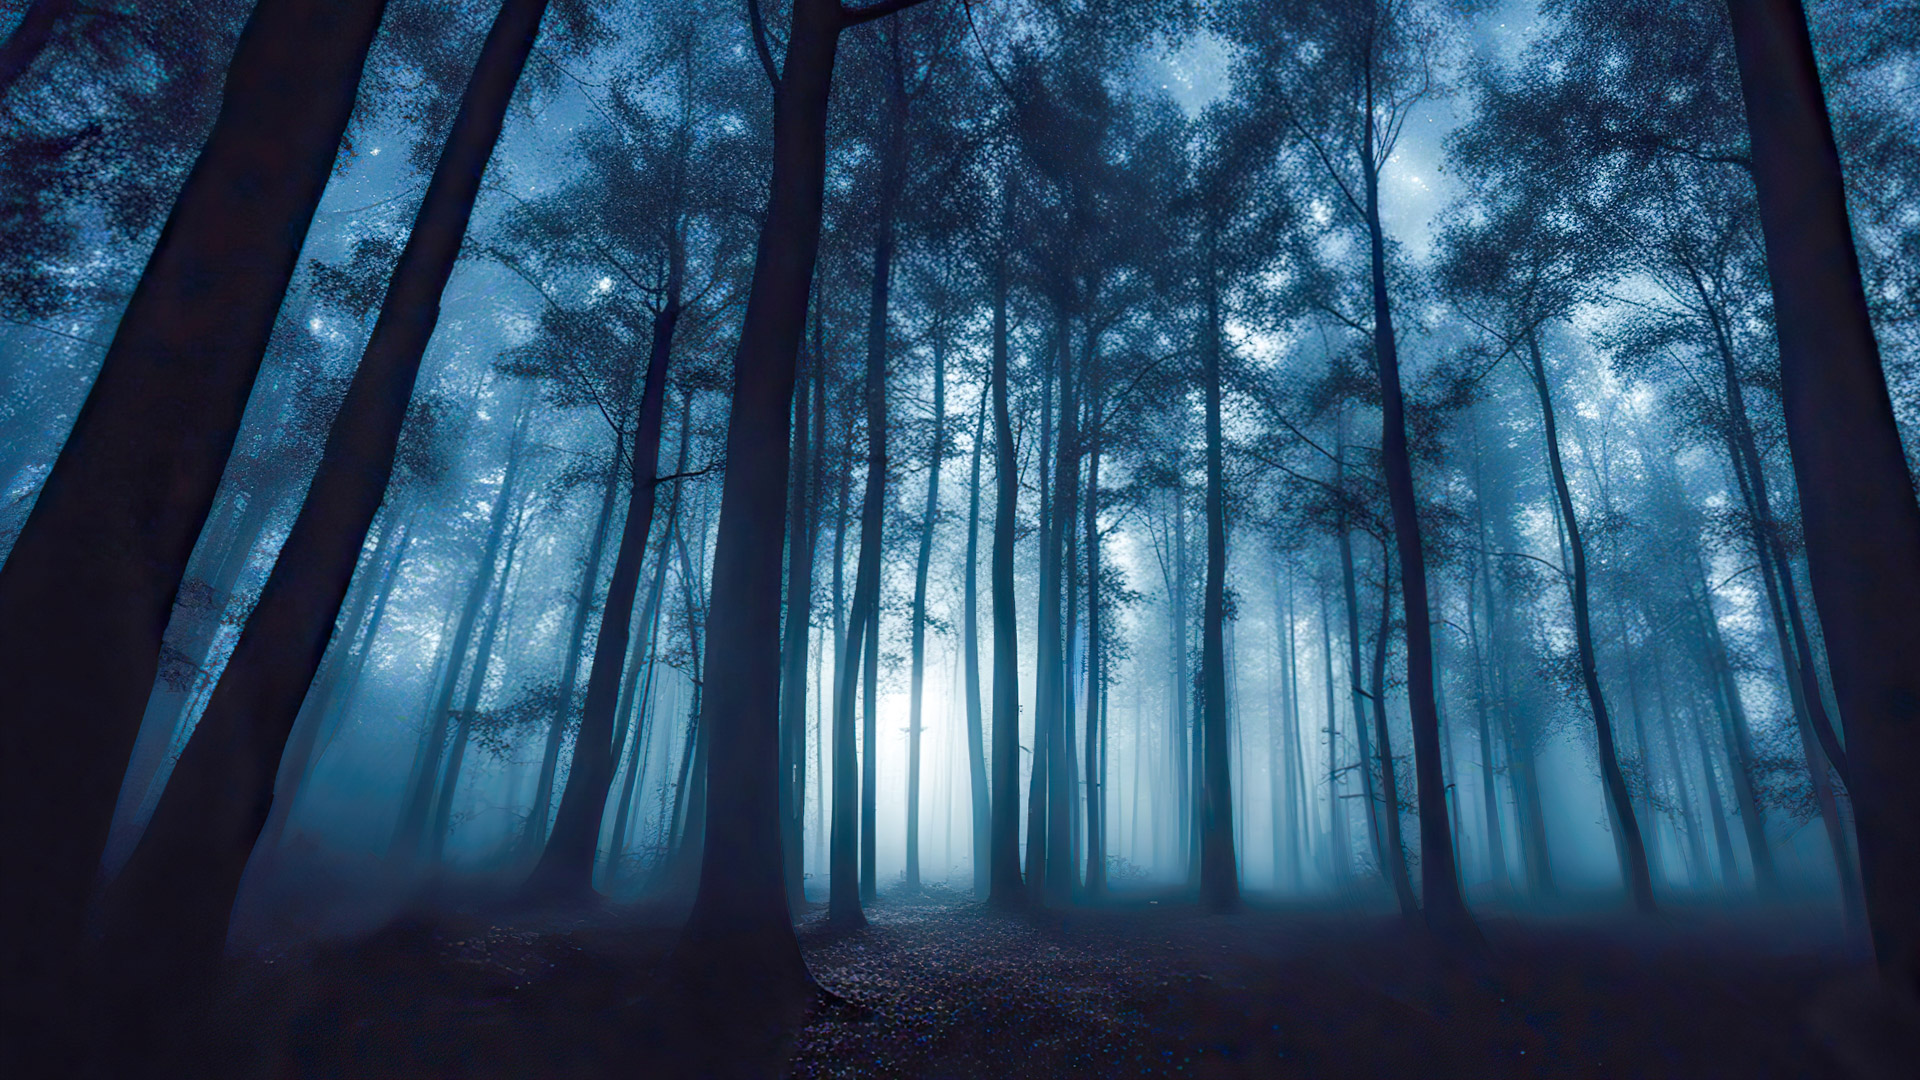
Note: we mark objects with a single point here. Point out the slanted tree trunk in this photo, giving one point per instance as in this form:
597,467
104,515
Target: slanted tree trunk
88,585
981,803
167,916
341,672
1219,874
1004,888
1446,911
565,869
918,632
1857,502
1633,852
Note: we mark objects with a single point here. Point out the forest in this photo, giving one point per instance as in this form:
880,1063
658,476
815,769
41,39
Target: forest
897,538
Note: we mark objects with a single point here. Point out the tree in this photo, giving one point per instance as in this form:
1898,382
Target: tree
740,936
1861,519
86,590
167,912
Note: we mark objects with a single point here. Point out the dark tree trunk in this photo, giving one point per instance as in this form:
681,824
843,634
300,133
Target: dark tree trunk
980,803
1357,694
533,836
1856,494
166,710
167,914
341,670
1052,870
1340,847
1004,888
565,869
1046,649
1096,879
1219,873
1797,663
1735,729
739,941
1483,678
641,707
803,521
86,591
919,627
1633,852
1393,847
1446,911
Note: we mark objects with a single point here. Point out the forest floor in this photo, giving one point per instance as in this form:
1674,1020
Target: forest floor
942,987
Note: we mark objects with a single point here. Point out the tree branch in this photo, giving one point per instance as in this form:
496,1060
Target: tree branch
759,26
854,16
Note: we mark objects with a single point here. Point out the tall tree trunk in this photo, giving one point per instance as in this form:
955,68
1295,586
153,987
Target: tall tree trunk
980,802
1446,911
1797,665
166,711
566,866
30,37
167,919
1046,648
641,706
1340,847
1856,495
1483,679
1633,852
1004,887
1096,821
1186,761
87,588
1394,848
1219,874
533,837
739,940
919,628
1357,693
803,527
1735,729
1060,873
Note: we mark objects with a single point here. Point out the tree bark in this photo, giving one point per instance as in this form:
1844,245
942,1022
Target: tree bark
87,588
1446,911
1004,887
981,802
565,869
1219,873
168,911
803,528
1394,848
1633,852
1856,495
739,940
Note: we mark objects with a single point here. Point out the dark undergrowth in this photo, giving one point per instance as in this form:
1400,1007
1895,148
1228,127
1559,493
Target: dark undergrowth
938,987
